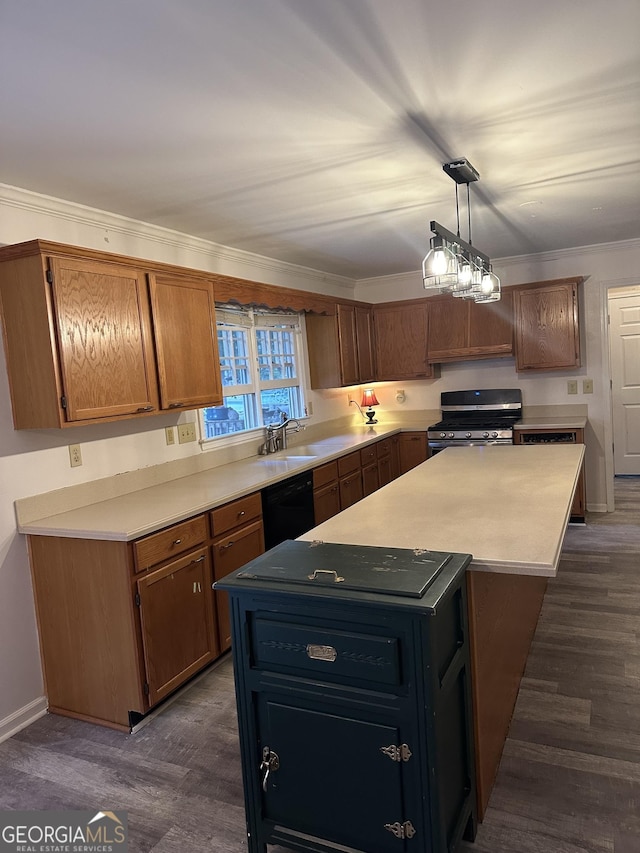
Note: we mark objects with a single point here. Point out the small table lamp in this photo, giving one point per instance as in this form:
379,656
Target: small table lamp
369,400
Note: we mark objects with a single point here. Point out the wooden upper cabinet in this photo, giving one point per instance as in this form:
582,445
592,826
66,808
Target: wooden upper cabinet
400,335
184,325
463,330
91,337
546,325
340,347
106,353
364,342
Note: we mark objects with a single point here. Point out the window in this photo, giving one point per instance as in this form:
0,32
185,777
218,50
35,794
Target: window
261,371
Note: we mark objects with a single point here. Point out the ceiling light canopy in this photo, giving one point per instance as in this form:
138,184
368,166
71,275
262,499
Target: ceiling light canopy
454,265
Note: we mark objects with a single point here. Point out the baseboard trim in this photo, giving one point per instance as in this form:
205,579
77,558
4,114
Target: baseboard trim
597,508
22,718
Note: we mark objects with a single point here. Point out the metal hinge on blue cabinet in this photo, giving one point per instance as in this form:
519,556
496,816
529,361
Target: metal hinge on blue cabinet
397,753
401,830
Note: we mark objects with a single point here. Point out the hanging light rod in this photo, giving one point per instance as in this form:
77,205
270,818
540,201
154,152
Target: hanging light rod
450,237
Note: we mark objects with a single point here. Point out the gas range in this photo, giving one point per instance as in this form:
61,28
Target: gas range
485,416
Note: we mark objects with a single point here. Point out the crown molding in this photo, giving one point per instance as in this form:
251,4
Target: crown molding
581,251
215,257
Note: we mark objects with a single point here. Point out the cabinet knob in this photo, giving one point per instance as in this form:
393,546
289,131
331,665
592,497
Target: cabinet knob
177,541
241,513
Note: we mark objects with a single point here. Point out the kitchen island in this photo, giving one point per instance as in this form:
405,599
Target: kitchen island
509,507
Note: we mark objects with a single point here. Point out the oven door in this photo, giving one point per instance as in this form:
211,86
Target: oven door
436,445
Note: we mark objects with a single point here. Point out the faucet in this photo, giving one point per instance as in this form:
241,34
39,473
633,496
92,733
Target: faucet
276,438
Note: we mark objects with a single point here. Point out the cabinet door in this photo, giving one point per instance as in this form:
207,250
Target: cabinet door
448,328
370,479
384,470
176,613
400,334
413,450
364,340
231,553
334,781
351,489
546,326
326,502
347,343
106,354
184,325
491,327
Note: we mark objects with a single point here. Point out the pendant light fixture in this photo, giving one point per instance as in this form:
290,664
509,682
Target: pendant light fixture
452,264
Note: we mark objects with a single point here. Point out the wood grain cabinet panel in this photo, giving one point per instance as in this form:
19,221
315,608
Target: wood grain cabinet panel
400,335
178,635
340,347
462,330
326,492
184,325
91,337
238,537
547,333
412,450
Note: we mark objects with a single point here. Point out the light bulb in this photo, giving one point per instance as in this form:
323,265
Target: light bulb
439,262
487,283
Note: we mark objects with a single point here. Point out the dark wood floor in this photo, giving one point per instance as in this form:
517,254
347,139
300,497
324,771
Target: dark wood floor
569,780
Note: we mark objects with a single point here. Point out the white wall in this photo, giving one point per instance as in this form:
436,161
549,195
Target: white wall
36,461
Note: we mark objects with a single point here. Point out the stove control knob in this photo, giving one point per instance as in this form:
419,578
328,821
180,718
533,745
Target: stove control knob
467,435
451,435
443,435
494,435
485,435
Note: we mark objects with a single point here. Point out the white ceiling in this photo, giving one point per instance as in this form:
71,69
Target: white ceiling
314,131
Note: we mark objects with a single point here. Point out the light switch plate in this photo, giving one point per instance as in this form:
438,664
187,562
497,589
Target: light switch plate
186,432
587,386
170,435
572,386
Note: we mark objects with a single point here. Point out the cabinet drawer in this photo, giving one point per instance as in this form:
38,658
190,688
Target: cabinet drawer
326,653
169,543
368,455
325,474
237,512
349,463
383,448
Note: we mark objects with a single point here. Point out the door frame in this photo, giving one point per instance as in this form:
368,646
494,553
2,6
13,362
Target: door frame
607,396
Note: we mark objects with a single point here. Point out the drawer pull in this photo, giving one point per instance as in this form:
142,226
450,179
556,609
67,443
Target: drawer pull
321,653
199,560
336,576
177,541
175,405
241,513
144,409
197,586
224,547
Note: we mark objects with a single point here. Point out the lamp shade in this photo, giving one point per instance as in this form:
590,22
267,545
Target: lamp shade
369,398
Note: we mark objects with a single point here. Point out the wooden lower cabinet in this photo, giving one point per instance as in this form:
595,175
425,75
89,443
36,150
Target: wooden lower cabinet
326,492
123,624
176,615
350,479
560,435
238,536
412,450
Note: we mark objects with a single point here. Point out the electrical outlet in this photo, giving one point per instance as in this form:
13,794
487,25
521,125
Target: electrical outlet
170,435
75,455
572,386
308,409
587,386
186,432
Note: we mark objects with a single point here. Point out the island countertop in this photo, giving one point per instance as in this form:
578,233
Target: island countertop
507,505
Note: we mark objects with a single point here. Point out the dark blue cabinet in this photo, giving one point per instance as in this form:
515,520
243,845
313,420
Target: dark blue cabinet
353,692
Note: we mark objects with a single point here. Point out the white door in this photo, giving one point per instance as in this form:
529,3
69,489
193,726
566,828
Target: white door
624,343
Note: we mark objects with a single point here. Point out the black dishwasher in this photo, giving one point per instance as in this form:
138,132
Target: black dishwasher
287,509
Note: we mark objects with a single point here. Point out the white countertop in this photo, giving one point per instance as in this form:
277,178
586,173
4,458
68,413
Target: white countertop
558,422
507,505
144,511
